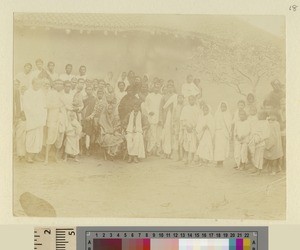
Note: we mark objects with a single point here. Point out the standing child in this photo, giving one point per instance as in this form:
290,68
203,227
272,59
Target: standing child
188,119
241,138
260,132
240,106
136,126
222,134
205,131
273,152
73,133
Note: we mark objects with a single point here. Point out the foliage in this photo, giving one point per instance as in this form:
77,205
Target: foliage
240,65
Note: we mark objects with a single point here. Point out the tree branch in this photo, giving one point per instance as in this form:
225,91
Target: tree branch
236,87
243,74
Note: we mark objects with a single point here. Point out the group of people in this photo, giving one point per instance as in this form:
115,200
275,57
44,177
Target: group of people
135,118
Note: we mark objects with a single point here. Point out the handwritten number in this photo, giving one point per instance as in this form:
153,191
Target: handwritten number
293,8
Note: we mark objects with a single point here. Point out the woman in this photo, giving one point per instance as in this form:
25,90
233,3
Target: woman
250,103
222,133
205,130
111,138
127,102
166,119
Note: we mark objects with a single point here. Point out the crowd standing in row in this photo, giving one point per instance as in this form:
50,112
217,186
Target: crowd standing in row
136,118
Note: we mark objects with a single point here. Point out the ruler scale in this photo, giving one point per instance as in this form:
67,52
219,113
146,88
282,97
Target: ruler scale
55,238
151,238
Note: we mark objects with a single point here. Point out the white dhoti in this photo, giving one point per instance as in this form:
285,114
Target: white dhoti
205,147
154,136
21,138
166,137
72,144
240,152
135,144
34,140
221,150
134,136
189,142
258,157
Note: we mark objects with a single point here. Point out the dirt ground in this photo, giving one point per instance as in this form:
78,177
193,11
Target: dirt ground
152,188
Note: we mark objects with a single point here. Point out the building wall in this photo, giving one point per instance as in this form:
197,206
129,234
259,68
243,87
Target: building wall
161,56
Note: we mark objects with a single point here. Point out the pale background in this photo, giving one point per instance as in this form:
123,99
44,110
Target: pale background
254,7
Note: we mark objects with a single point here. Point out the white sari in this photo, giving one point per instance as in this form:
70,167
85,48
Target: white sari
222,133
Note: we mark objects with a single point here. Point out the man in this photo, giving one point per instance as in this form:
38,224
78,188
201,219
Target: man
40,71
52,75
67,96
189,88
25,77
68,75
56,118
276,94
34,107
109,78
88,124
82,72
152,107
136,126
19,120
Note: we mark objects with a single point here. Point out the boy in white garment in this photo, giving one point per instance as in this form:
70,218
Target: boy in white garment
242,131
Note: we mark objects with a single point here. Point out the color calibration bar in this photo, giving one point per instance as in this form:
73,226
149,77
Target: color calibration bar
172,238
172,244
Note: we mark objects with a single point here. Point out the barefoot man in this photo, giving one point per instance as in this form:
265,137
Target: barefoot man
34,107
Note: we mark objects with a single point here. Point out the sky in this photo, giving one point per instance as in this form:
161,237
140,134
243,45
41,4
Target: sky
272,24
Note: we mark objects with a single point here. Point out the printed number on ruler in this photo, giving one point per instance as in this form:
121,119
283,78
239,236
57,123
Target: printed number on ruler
54,239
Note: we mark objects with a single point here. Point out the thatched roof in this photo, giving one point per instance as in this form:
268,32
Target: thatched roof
191,26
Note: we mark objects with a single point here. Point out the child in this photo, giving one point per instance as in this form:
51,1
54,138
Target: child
241,106
177,131
73,133
78,101
188,118
222,134
273,152
136,126
260,132
205,131
241,138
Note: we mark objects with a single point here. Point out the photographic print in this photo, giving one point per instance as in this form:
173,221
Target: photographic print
149,116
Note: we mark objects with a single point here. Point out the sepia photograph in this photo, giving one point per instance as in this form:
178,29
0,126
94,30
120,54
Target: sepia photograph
149,116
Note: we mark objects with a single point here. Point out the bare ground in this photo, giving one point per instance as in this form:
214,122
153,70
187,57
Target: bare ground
152,188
